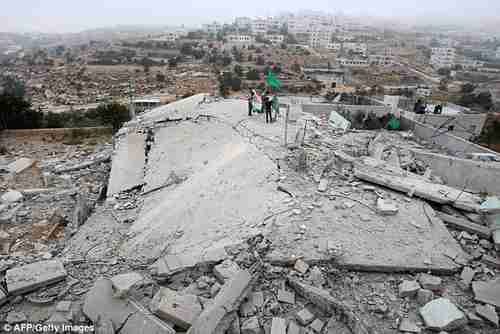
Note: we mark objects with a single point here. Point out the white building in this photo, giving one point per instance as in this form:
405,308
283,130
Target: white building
168,37
443,57
381,60
320,38
240,39
334,46
297,26
243,22
355,62
275,38
212,28
497,55
260,26
468,63
358,48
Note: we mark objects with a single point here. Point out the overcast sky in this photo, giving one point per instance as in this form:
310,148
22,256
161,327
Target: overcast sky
77,15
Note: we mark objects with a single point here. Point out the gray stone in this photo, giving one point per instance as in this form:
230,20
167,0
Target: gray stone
323,185
105,326
487,292
408,288
488,312
226,270
495,235
63,306
316,277
127,315
12,196
442,314
430,282
286,297
278,326
293,328
33,276
124,282
301,266
305,317
235,327
20,165
214,290
81,212
3,297
473,318
251,326
406,325
182,310
317,325
467,275
257,299
386,208
16,317
491,261
424,296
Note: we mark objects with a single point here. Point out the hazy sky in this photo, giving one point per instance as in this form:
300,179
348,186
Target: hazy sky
76,15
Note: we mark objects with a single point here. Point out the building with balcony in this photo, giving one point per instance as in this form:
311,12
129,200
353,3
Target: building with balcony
443,57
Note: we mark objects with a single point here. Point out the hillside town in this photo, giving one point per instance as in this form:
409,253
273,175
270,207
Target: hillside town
306,172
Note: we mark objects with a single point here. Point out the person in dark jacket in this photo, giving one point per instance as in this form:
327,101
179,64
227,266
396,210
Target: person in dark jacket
250,102
268,105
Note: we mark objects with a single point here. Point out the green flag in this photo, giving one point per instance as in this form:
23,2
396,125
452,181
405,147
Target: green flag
272,80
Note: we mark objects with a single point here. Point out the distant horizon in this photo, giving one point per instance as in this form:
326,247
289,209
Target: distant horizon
57,16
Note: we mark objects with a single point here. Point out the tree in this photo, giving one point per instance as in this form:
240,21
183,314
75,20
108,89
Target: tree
113,114
253,74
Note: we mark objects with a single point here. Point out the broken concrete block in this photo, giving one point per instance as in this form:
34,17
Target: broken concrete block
3,297
278,326
430,282
257,299
487,292
20,165
16,317
81,212
323,185
226,270
301,266
408,326
235,327
181,310
63,306
316,277
473,318
105,326
495,235
491,261
251,326
442,314
247,309
293,328
424,296
127,315
385,208
490,205
305,317
286,297
33,276
124,282
214,290
12,196
467,275
317,325
214,255
408,288
488,313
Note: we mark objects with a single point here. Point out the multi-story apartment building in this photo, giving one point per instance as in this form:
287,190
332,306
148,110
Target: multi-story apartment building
275,38
442,57
260,26
334,46
380,60
297,26
240,39
355,62
355,47
212,28
243,22
320,38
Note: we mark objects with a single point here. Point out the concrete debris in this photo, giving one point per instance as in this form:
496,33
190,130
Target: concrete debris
442,314
129,316
16,317
215,317
491,205
12,196
301,266
20,165
467,275
323,185
473,318
286,296
87,164
316,277
63,306
251,326
430,282
424,296
124,282
408,326
463,225
278,326
385,208
305,317
323,300
487,292
32,276
491,261
225,270
82,211
488,312
317,325
180,309
408,288
293,328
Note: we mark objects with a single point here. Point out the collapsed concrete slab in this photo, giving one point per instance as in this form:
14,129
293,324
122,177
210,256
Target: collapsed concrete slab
487,292
127,169
221,312
442,315
33,276
212,203
326,302
128,316
20,165
180,309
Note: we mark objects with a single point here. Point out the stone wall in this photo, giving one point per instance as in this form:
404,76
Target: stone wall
466,126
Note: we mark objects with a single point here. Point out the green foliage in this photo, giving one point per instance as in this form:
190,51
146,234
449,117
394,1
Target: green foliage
113,114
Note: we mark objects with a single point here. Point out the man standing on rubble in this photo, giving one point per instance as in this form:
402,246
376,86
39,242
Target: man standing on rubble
268,105
250,103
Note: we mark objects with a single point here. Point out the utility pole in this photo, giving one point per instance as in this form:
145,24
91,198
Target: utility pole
131,106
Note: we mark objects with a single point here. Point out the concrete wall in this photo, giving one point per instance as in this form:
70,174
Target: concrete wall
466,126
455,146
460,173
327,108
14,137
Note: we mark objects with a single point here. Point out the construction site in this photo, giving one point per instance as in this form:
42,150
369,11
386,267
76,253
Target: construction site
197,218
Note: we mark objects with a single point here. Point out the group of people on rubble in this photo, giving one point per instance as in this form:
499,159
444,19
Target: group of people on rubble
267,101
